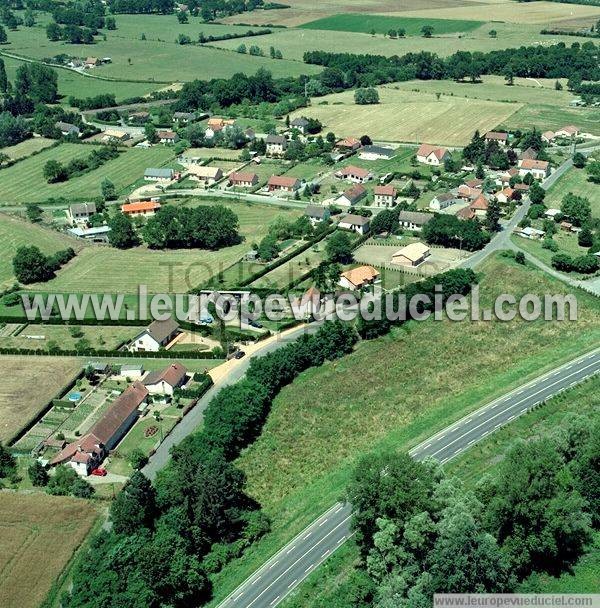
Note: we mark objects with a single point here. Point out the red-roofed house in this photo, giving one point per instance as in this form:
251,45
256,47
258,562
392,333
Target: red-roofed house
384,196
506,195
283,183
165,381
568,131
243,180
358,175
479,206
348,144
540,169
432,155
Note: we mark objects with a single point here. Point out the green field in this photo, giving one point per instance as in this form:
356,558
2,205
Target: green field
15,233
546,117
27,147
388,393
24,182
409,116
321,588
575,181
380,24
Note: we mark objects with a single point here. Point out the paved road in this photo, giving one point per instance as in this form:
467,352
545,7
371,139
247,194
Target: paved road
291,565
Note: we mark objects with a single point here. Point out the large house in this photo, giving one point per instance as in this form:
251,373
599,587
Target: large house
411,255
540,169
414,220
432,155
165,381
500,138
140,209
376,153
358,223
87,452
276,145
202,173
283,183
243,180
80,213
358,278
156,336
352,195
384,196
167,136
159,174
358,175
317,214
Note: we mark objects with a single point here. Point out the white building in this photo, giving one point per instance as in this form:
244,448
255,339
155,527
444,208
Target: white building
156,336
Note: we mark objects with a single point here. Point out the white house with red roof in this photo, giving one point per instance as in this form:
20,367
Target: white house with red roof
358,175
432,155
384,196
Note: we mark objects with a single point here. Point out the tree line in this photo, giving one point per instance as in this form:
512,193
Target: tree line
55,171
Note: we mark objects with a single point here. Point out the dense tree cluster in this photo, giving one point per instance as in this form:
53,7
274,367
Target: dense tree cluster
74,34
205,227
449,231
36,82
12,129
163,7
421,532
30,265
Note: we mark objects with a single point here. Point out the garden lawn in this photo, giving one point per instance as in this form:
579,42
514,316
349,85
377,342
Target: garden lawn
15,233
566,241
409,116
392,393
380,24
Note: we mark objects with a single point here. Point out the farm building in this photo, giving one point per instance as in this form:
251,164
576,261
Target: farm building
208,175
413,220
384,196
358,223
165,381
358,175
243,180
158,334
216,125
98,234
133,371
540,169
552,213
529,154
139,117
283,183
359,278
317,214
411,255
80,213
276,145
159,174
352,195
376,153
141,208
88,451
432,155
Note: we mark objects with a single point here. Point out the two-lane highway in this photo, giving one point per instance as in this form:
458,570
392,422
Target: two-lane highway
291,565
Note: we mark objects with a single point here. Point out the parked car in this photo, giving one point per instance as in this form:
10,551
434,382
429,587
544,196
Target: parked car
239,354
100,472
256,324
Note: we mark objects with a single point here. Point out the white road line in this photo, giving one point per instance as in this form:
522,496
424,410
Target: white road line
306,536
273,564
293,583
326,553
308,569
275,600
256,579
238,596
324,522
339,509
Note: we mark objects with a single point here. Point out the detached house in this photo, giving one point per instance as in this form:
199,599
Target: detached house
349,144
548,137
540,169
384,196
80,213
441,201
141,208
157,335
357,175
479,206
432,155
165,381
243,180
159,174
167,136
358,223
66,128
283,183
500,138
184,117
207,175
276,145
300,124
216,125
414,220
411,255
506,195
352,195
317,214
358,278
568,131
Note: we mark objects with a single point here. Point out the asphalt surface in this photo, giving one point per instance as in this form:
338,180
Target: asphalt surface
291,565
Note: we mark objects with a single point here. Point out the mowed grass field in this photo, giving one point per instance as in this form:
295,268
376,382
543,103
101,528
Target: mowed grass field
549,117
108,270
15,233
26,385
381,24
27,147
408,116
25,182
39,535
392,393
575,181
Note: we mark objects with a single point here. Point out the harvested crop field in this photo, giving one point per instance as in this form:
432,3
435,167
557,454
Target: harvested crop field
38,536
410,117
26,385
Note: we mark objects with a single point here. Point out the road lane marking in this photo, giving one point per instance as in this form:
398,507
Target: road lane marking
275,600
324,522
273,564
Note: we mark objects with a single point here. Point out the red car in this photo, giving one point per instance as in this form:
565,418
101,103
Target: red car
99,472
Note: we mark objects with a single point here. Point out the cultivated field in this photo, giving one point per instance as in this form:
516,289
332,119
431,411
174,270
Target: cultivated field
15,233
25,182
27,147
109,270
26,384
545,117
408,116
379,24
39,534
380,397
575,181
